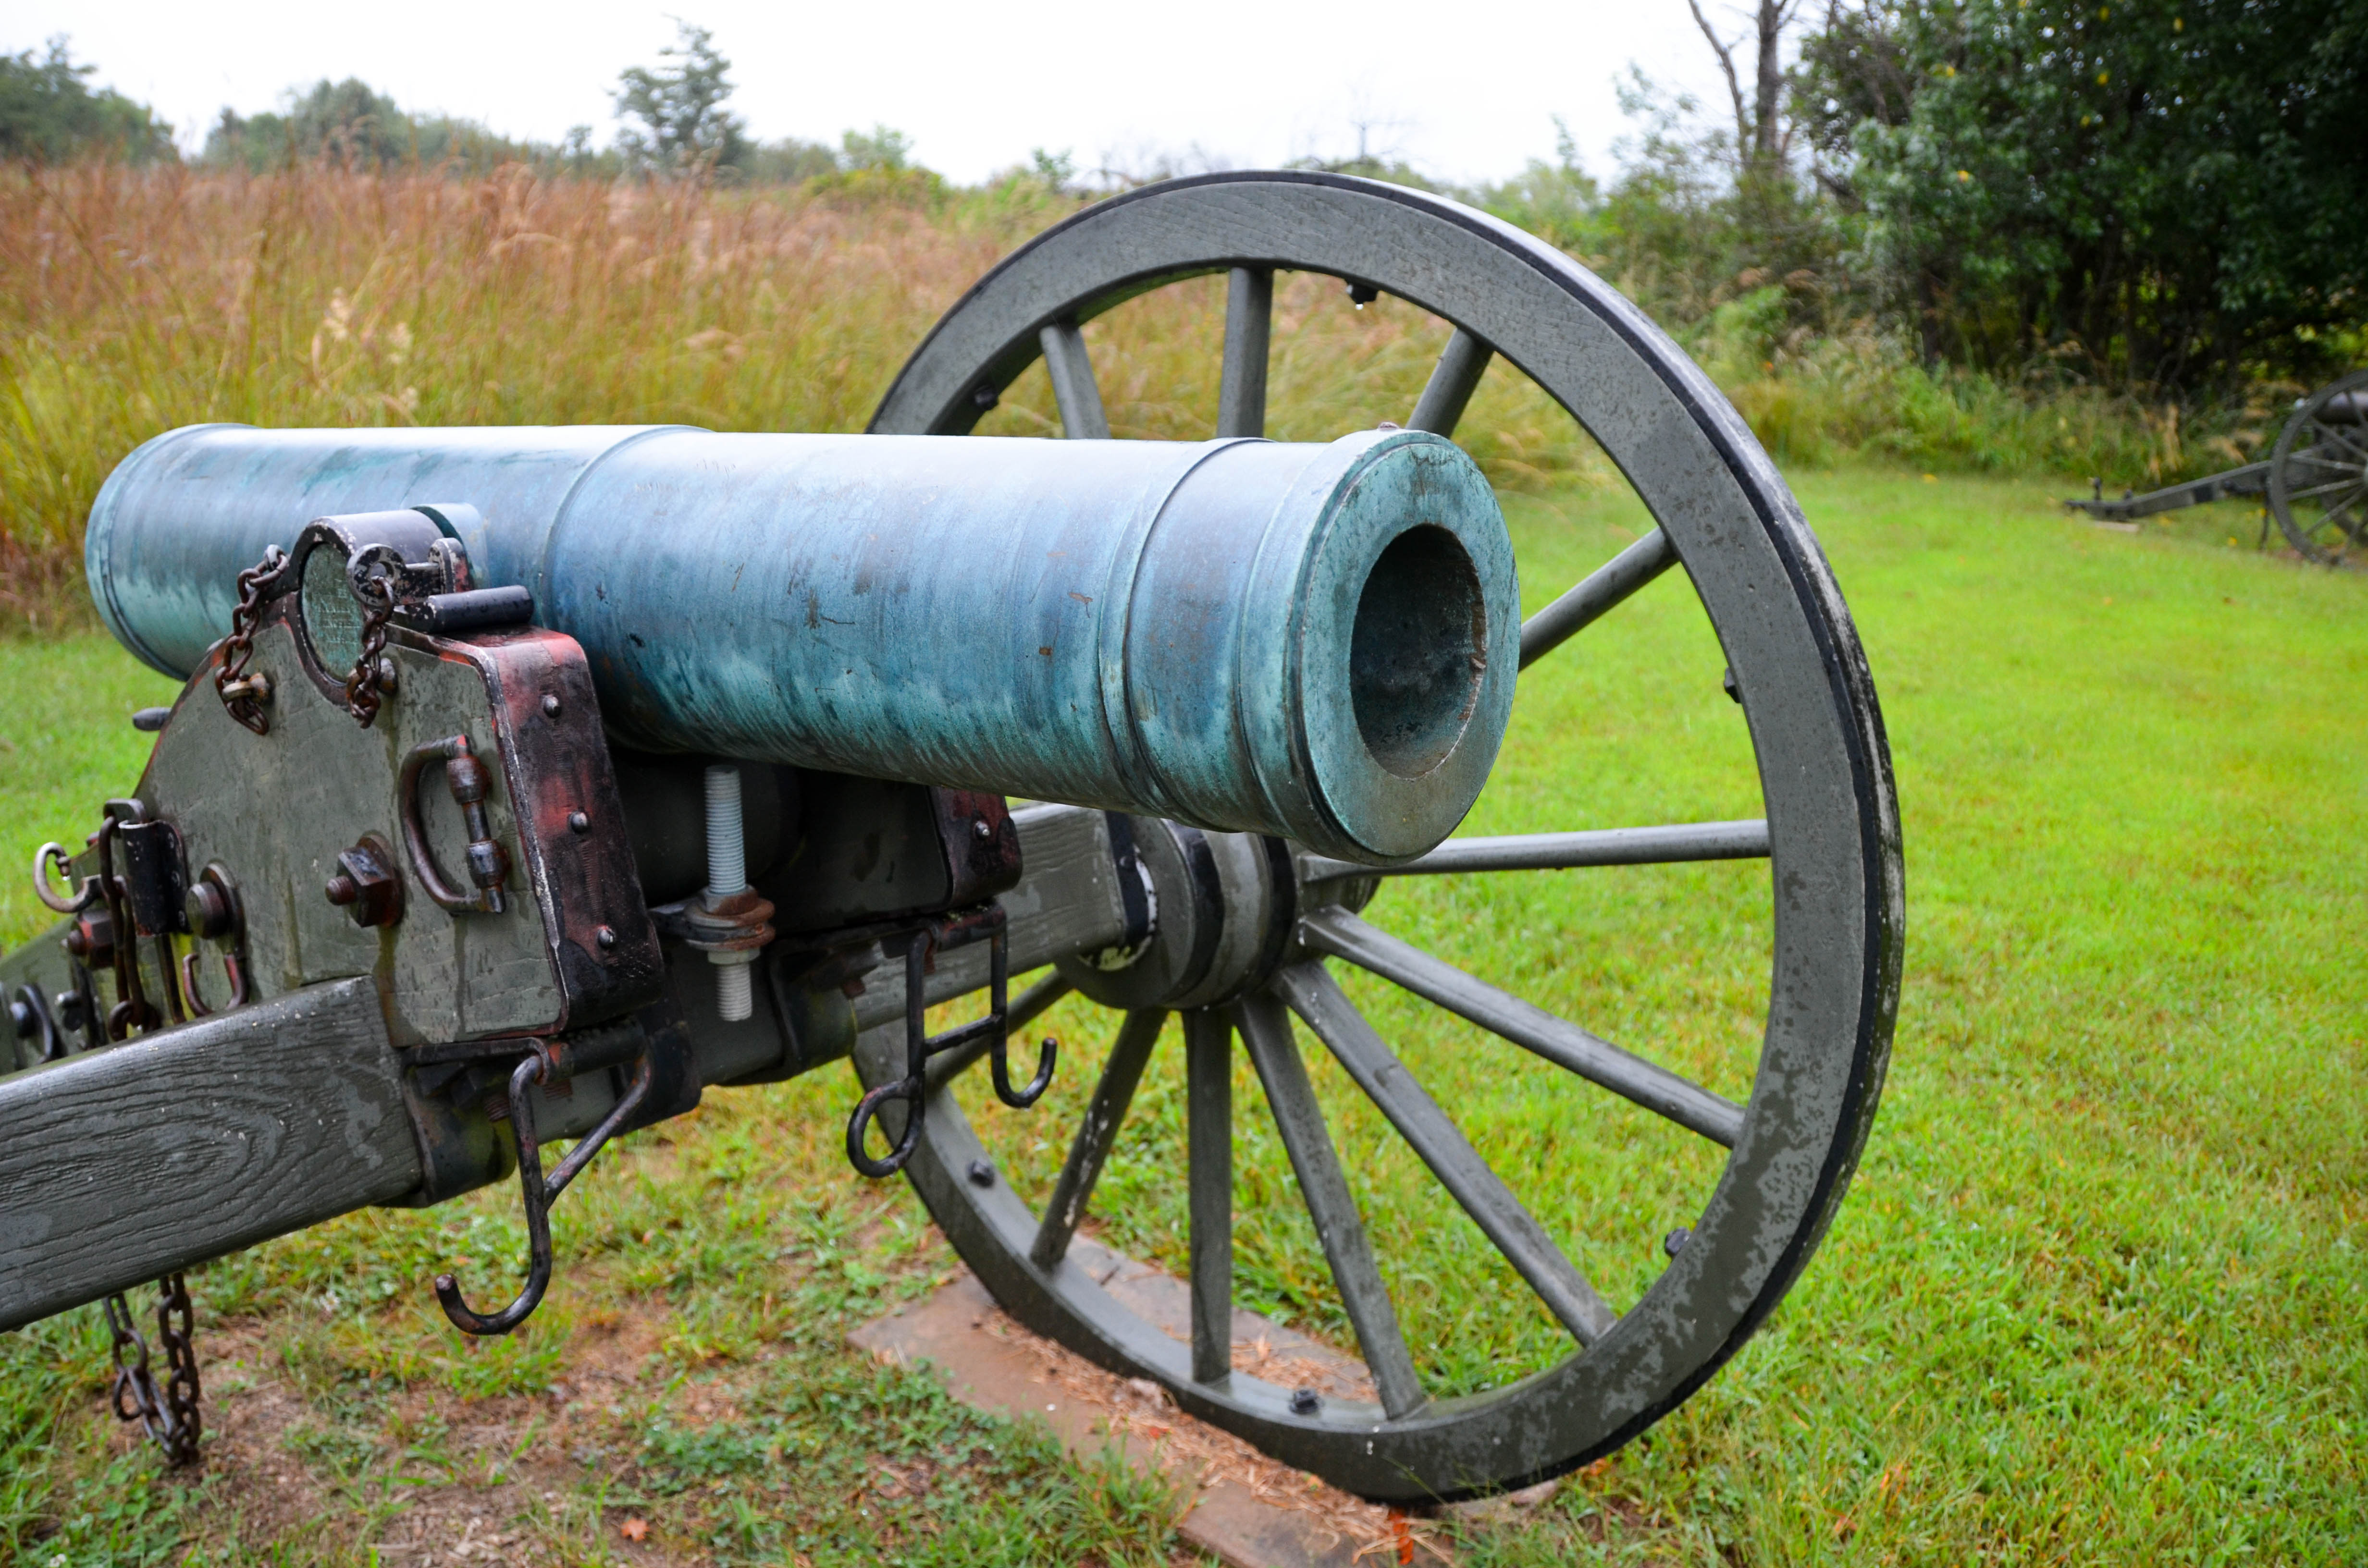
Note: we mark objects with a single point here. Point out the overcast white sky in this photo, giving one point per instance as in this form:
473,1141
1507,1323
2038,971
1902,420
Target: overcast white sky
1461,93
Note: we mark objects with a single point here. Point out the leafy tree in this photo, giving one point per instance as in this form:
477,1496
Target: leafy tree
787,162
350,124
47,113
2171,189
684,125
1761,137
880,148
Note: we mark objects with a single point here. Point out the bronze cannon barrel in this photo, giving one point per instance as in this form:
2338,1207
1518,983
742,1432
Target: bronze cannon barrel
1316,641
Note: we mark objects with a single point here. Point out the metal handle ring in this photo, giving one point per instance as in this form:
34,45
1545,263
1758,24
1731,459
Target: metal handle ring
415,827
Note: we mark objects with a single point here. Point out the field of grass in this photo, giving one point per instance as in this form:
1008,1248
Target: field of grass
2098,1295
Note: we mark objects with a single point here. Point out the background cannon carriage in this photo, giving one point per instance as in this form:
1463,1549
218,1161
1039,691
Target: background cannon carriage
1250,929
2314,483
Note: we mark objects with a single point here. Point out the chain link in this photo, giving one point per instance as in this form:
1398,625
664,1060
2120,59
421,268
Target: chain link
242,697
363,699
169,1414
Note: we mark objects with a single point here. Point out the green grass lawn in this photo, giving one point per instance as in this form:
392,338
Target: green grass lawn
2098,1294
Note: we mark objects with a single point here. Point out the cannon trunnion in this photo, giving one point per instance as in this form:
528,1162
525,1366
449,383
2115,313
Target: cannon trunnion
530,784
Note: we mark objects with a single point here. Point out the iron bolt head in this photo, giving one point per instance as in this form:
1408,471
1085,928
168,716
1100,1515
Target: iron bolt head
981,1173
550,706
607,936
209,911
365,885
148,721
982,828
1675,1241
578,823
91,939
1305,1401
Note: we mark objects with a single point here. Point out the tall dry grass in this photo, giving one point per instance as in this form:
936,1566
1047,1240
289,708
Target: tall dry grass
131,302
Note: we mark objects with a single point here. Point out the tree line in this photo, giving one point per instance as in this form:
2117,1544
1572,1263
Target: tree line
2160,195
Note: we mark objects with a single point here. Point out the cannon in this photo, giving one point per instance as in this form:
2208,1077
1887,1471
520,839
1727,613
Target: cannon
2314,483
528,784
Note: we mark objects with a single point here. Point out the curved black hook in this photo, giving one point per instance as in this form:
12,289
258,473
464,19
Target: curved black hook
539,1192
913,1090
1048,1050
909,1090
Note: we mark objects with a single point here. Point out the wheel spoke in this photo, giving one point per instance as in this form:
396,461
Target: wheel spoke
1604,589
2331,513
1025,1009
2323,431
1559,1042
1315,996
1091,1147
1265,1030
1209,1114
1249,324
1072,370
1659,846
1461,365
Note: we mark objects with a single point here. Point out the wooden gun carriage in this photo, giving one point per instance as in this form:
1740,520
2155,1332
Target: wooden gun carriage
530,784
2314,483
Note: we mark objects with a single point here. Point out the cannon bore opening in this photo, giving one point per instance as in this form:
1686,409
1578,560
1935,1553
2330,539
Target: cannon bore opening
1419,648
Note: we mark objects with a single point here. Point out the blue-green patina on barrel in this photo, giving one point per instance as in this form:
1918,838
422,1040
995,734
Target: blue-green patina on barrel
1316,641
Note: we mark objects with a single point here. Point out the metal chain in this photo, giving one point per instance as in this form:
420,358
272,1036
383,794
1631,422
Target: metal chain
240,696
170,1415
363,697
177,1326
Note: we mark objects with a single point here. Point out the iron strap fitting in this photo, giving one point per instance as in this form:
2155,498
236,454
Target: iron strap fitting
920,946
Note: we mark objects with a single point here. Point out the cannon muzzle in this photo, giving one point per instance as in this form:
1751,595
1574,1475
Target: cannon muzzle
1315,641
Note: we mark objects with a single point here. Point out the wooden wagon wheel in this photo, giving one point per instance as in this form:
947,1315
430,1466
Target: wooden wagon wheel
2318,473
1249,926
